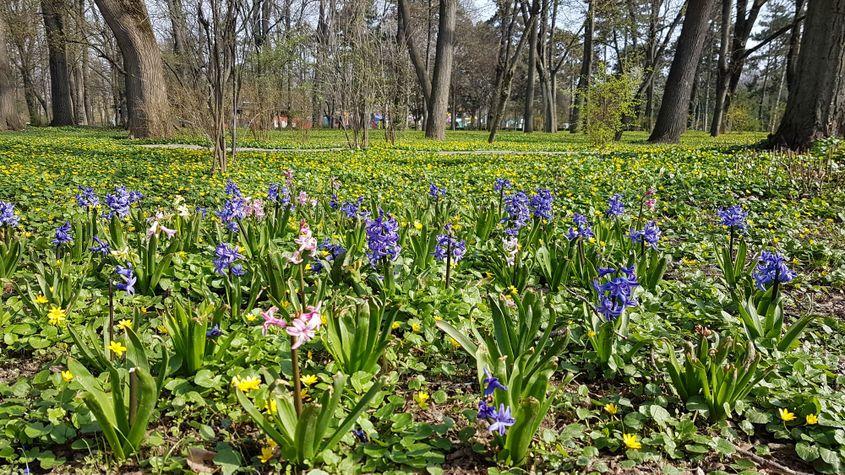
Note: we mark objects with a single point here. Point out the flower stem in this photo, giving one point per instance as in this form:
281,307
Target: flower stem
297,383
448,262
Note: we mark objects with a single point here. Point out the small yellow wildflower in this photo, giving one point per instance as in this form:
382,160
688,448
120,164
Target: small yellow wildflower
513,290
271,406
124,324
418,225
394,325
785,415
454,342
416,327
421,398
309,379
162,329
812,419
68,376
117,348
611,408
632,441
41,300
247,384
267,453
591,334
56,316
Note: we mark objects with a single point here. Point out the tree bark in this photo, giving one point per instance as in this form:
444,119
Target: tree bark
145,87
528,112
586,70
794,47
60,93
442,75
817,108
9,117
674,108
722,75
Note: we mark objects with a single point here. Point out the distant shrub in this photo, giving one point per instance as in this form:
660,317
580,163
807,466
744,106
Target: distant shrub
609,99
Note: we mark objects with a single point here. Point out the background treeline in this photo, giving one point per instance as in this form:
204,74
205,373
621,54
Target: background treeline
601,66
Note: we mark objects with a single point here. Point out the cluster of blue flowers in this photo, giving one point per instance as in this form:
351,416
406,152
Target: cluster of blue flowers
734,217
64,234
616,294
86,198
615,206
226,260
444,242
516,206
382,238
120,201
499,419
7,214
772,268
232,189
436,192
100,246
581,229
334,251
234,209
279,194
502,184
541,204
650,234
353,210
128,279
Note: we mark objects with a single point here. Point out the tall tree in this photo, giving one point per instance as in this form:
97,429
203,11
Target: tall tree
816,107
586,69
145,87
533,34
507,14
60,93
435,90
674,108
9,117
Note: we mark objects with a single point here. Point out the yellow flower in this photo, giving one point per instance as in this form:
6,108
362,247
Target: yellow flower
247,384
271,406
418,225
309,379
454,342
812,419
162,329
421,398
117,348
513,290
591,334
68,376
124,324
267,452
394,325
56,316
41,300
611,408
785,415
632,441
416,327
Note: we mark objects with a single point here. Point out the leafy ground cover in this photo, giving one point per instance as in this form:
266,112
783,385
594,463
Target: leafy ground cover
633,308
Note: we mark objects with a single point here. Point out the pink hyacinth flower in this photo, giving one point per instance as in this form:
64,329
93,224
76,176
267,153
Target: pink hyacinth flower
303,330
270,320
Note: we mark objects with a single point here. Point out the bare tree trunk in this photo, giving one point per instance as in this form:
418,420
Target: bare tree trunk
674,108
145,86
722,75
60,93
586,70
528,113
9,117
794,47
817,108
442,75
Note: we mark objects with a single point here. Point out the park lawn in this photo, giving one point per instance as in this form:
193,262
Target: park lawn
427,418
